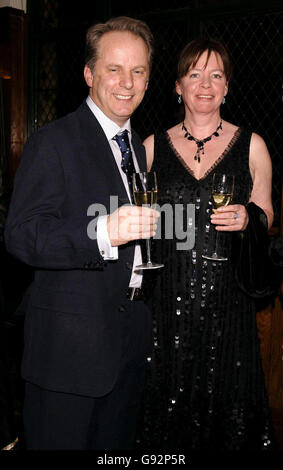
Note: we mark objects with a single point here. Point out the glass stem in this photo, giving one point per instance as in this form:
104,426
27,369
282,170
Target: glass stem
216,241
148,250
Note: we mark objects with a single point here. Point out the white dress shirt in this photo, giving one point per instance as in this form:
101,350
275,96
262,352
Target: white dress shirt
107,251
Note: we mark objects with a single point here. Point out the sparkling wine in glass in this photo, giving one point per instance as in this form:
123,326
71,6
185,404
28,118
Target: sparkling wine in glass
222,193
145,193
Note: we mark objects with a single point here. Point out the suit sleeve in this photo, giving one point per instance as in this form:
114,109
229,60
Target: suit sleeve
40,230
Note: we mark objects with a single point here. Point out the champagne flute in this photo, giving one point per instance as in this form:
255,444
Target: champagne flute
222,193
145,193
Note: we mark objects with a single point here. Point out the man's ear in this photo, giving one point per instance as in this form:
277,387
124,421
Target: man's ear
88,76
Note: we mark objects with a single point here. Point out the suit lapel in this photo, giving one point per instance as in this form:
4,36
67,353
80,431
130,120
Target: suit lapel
96,146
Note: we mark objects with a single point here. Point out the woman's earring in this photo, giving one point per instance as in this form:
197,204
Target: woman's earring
224,100
180,99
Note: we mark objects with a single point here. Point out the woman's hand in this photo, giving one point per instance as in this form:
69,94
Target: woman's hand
235,217
230,218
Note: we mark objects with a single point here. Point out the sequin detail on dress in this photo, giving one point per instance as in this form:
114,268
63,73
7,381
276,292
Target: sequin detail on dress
205,386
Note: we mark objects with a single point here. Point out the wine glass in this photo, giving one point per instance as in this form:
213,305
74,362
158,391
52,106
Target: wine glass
145,193
222,193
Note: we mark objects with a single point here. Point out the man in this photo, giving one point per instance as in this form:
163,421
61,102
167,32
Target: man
87,333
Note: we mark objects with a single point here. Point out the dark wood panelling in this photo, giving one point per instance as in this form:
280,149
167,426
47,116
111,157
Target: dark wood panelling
13,66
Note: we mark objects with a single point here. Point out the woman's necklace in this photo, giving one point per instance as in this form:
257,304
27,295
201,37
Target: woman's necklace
200,142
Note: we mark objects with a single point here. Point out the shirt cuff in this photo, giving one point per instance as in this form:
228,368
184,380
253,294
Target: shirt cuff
107,251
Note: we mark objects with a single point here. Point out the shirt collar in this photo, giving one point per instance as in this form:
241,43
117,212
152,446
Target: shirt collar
109,127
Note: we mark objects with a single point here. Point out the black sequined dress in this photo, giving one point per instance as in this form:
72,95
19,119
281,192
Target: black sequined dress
205,386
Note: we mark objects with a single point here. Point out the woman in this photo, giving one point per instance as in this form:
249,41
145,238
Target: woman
205,386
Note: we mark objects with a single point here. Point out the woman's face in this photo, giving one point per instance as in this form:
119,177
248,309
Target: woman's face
204,86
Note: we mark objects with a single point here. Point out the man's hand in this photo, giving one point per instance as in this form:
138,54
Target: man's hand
131,223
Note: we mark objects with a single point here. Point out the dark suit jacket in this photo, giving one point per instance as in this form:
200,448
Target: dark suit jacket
72,327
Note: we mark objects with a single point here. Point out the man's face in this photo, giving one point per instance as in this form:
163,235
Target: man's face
121,75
